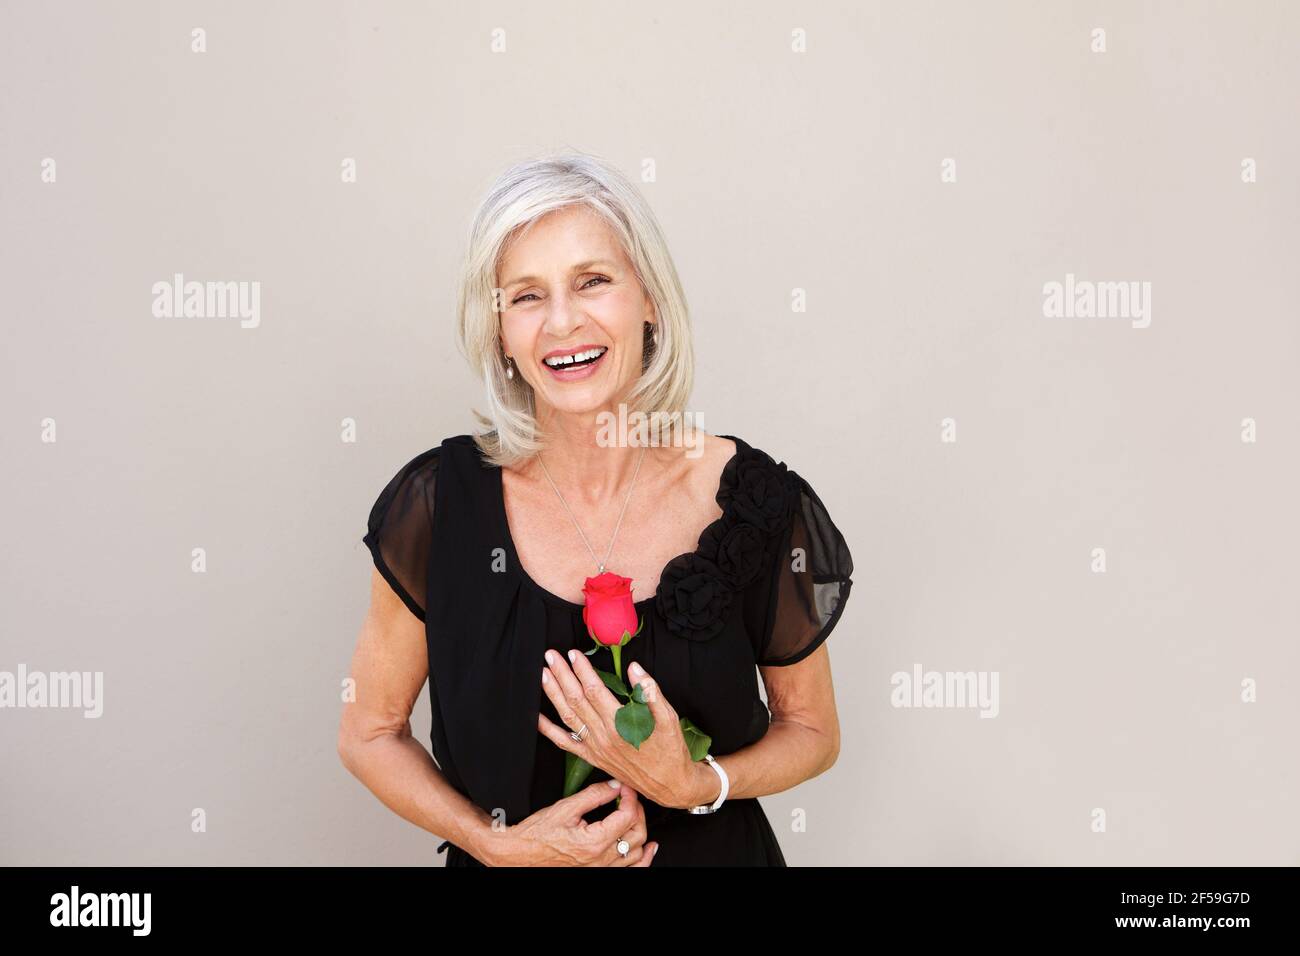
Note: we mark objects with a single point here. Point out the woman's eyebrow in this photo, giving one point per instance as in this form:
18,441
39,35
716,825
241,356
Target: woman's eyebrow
580,267
584,266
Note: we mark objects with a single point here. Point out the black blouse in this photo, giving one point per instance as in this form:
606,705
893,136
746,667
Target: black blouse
765,587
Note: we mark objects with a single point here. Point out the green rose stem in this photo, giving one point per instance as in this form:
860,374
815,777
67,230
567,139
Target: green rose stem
617,651
634,721
576,770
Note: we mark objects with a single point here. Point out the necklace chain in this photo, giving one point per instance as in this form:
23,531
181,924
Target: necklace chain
600,565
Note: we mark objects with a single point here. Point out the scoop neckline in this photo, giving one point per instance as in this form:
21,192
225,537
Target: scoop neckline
504,521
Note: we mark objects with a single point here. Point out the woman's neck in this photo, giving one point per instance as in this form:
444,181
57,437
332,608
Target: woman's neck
588,468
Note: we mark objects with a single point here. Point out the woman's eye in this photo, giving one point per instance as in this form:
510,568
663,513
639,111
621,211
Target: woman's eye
532,295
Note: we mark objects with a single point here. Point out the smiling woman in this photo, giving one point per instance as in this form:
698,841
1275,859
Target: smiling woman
487,546
568,242
552,301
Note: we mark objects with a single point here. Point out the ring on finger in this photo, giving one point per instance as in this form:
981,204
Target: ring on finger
577,735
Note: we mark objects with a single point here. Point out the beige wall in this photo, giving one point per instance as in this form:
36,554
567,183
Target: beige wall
775,171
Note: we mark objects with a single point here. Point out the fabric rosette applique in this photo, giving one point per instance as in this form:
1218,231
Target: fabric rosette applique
694,597
758,497
761,492
736,549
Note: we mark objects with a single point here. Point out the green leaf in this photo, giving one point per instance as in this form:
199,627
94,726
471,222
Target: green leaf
638,695
576,770
697,741
614,684
634,723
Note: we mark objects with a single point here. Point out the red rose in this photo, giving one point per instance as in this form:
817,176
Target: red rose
609,612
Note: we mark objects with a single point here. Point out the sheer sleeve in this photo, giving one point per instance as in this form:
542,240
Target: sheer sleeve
400,529
810,584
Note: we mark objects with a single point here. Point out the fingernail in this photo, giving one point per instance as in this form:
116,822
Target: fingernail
546,676
573,656
550,657
614,784
637,670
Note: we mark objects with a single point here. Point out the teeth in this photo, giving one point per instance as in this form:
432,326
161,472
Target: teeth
559,361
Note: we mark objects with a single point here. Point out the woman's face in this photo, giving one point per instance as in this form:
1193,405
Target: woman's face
573,312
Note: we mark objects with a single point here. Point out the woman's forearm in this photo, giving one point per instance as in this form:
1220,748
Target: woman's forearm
787,755
397,769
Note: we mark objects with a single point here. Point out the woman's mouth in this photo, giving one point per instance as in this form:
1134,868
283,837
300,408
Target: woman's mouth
571,366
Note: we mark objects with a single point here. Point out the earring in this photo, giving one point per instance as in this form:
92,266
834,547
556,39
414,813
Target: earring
510,367
655,335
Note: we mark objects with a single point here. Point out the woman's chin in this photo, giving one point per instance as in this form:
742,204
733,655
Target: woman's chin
579,407
581,401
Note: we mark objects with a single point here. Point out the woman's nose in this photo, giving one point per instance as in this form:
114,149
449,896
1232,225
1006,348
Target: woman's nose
563,315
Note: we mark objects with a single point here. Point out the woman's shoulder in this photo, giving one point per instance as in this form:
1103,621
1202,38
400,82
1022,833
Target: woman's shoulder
712,452
732,450
419,472
405,505
761,488
756,485
426,462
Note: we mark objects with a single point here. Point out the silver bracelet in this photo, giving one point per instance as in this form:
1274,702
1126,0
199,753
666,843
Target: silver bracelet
726,785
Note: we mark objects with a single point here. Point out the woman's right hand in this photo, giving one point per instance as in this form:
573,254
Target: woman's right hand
559,836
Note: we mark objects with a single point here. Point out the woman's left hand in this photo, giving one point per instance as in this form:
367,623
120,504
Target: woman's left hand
661,770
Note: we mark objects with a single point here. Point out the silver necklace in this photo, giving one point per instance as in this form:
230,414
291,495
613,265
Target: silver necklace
600,565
